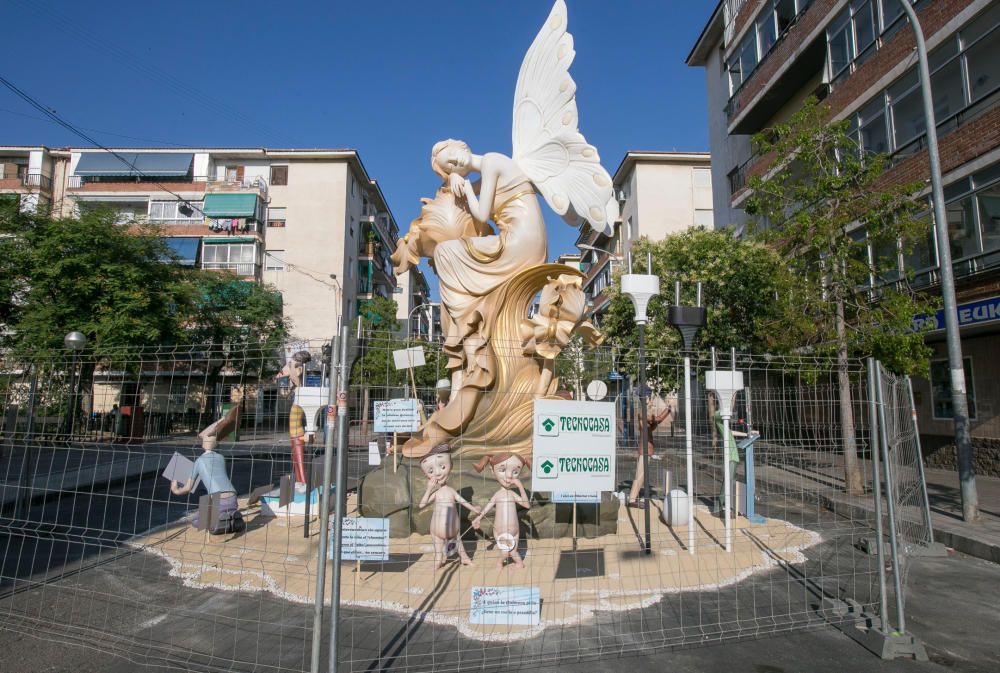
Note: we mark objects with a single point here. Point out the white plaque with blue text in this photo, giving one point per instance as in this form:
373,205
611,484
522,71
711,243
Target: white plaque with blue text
505,605
363,539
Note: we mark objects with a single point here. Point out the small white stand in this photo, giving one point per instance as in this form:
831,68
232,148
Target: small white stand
725,385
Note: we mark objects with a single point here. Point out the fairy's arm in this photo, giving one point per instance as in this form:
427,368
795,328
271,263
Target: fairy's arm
481,206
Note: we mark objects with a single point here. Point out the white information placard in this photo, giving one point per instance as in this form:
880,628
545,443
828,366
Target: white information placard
399,415
409,357
571,497
363,539
573,446
505,605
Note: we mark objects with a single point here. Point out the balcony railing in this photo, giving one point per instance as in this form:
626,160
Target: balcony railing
36,180
217,184
238,268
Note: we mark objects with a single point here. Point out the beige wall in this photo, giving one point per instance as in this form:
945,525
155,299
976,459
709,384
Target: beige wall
663,197
315,240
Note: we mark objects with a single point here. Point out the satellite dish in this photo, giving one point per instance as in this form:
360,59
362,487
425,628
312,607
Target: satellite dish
597,390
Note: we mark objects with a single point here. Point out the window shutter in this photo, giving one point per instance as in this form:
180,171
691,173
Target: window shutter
239,172
279,175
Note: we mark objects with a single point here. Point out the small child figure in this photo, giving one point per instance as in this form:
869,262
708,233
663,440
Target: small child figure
444,521
506,529
294,369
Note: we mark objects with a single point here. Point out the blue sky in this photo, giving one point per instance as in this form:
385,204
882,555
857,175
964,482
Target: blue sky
386,77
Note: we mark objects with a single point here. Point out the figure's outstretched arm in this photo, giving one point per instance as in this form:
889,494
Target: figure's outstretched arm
486,510
465,503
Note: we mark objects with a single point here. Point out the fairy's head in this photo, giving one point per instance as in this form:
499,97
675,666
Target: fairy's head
451,156
506,467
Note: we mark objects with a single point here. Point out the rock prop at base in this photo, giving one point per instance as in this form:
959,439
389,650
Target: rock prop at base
384,493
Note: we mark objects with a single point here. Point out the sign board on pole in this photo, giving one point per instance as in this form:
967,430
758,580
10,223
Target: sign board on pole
363,539
409,357
374,457
396,415
573,446
505,605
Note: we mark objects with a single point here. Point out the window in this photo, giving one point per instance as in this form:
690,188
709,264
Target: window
983,59
279,175
276,217
962,232
874,136
784,11
941,389
989,216
840,43
274,260
923,253
176,212
864,28
767,33
776,17
236,257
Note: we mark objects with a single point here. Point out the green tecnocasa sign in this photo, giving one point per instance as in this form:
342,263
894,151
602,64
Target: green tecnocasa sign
574,446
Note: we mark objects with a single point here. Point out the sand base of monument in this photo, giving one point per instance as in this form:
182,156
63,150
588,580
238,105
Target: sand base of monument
606,573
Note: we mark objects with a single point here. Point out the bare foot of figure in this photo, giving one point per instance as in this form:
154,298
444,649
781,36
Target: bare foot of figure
466,561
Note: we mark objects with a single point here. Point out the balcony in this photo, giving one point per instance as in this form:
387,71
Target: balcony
81,183
236,184
26,180
242,269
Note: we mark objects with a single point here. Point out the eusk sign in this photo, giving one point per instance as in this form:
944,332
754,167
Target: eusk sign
574,446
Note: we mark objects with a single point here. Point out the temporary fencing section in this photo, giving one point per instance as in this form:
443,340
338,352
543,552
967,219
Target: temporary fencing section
97,550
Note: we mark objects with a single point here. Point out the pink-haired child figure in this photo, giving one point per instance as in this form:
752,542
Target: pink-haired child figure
506,528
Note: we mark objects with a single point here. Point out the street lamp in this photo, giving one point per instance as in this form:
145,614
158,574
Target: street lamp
337,304
75,342
959,401
430,319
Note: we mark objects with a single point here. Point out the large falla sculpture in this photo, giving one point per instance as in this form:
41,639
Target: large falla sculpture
486,242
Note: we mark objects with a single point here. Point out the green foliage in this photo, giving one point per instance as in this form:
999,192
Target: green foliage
816,208
111,282
745,289
88,274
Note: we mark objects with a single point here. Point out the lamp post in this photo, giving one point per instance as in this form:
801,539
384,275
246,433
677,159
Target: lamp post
641,288
430,318
75,342
337,303
959,401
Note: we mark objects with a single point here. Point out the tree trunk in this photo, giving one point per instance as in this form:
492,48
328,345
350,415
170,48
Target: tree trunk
849,442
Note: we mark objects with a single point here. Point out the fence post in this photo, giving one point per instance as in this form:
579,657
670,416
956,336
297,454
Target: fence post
342,438
27,476
920,461
873,434
324,512
889,499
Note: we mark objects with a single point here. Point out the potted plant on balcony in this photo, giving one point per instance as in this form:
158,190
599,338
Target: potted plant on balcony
371,243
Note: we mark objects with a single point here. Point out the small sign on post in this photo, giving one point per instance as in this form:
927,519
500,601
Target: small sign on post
399,415
408,358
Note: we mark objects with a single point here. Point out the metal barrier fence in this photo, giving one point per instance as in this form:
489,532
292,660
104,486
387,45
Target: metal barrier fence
97,550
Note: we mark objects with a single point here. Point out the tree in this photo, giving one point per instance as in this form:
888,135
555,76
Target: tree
88,274
745,289
824,205
222,309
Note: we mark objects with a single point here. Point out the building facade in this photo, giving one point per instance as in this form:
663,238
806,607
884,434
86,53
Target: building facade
764,58
659,193
312,223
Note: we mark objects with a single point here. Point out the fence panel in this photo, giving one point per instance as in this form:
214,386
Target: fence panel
97,550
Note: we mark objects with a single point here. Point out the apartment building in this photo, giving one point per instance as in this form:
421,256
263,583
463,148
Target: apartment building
418,316
26,177
763,58
290,218
659,193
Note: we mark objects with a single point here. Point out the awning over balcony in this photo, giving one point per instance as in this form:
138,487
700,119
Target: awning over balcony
105,164
230,205
185,249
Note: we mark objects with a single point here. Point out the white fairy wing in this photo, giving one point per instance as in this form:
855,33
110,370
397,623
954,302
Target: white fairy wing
548,146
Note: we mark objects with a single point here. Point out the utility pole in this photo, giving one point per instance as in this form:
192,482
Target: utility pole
959,400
